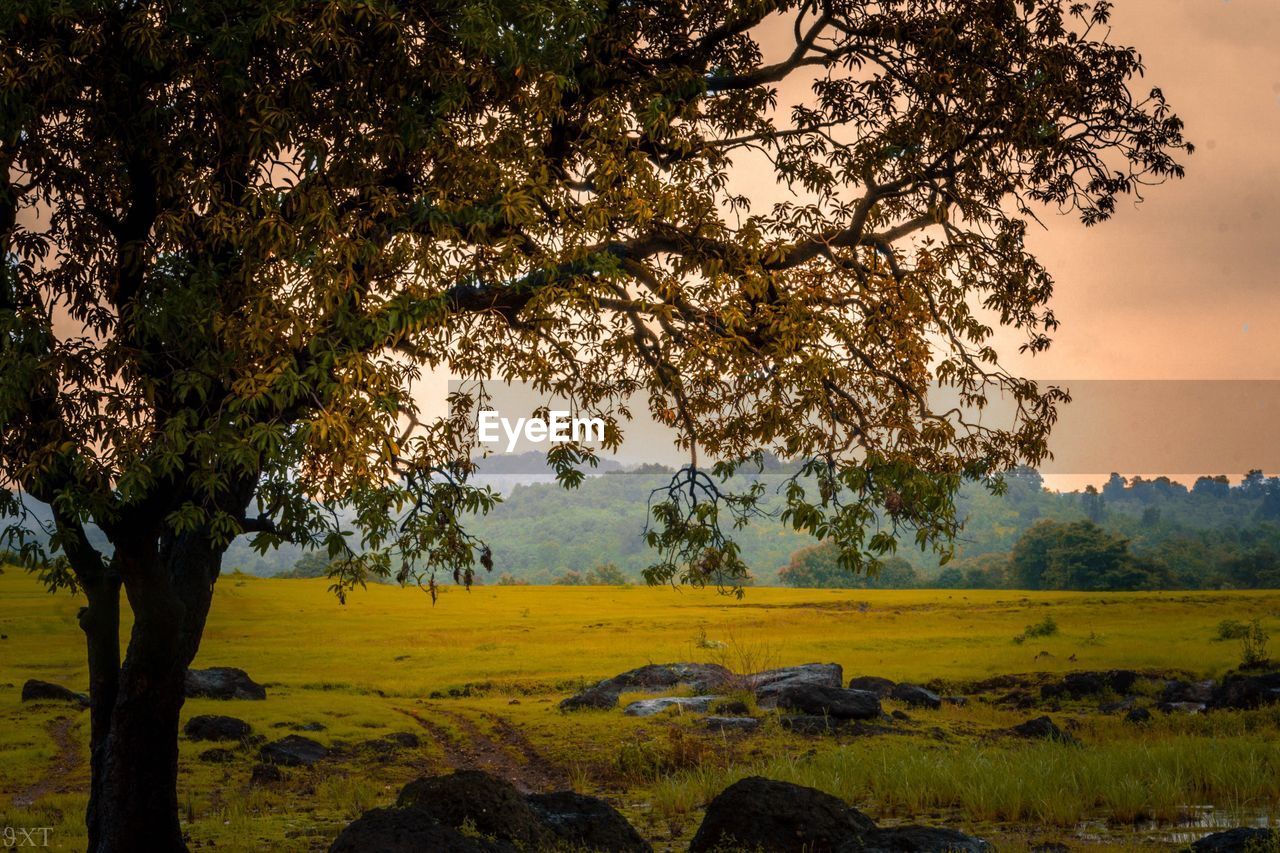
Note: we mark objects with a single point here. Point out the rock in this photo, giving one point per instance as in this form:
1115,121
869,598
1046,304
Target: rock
1137,716
873,684
396,830
222,682
649,707
311,727
1043,728
293,751
1080,684
767,684
1020,699
265,774
35,690
598,698
1180,707
388,745
838,702
587,823
218,755
916,696
408,740
1246,691
699,677
958,701
1050,847
731,708
756,813
1236,841
1187,691
732,724
1116,707
492,805
918,839
900,715
216,727
809,724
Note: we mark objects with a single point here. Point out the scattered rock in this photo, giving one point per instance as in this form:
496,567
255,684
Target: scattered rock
218,755
216,727
916,696
1180,707
293,751
1042,728
731,708
958,701
809,724
388,745
1236,841
43,691
699,677
732,724
1247,691
265,774
396,830
587,823
769,683
1187,691
311,727
1138,716
918,839
493,806
1117,707
649,707
1019,699
873,684
838,702
222,682
756,813
1077,685
601,697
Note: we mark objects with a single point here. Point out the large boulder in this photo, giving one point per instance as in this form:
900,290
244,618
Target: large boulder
599,697
222,682
1043,728
293,751
757,813
1076,685
587,823
35,690
649,707
492,805
917,839
216,727
820,700
398,830
700,677
1247,691
767,684
916,696
873,684
1242,840
1177,691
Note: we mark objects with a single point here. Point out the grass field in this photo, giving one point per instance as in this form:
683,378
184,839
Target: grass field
479,675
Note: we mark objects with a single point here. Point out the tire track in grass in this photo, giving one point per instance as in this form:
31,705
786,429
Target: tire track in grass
476,750
65,762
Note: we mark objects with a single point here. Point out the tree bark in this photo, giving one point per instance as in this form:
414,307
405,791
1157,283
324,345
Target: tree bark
100,621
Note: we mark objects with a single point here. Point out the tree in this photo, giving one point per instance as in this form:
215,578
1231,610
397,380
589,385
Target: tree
607,574
1078,555
235,233
819,567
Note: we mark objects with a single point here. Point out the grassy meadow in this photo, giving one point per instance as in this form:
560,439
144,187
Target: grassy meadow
479,675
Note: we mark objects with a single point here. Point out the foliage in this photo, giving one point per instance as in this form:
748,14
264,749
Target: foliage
1253,646
820,566
1046,627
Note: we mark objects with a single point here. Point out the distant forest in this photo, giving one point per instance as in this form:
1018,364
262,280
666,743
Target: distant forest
1133,533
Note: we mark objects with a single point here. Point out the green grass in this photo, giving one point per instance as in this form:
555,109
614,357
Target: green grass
498,659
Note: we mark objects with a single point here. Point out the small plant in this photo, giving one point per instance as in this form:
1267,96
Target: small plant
1253,646
1232,629
703,642
1047,627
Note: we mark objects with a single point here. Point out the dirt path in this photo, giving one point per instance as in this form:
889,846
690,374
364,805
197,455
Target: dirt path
507,753
65,762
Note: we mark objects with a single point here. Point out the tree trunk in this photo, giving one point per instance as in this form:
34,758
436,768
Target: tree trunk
134,797
100,621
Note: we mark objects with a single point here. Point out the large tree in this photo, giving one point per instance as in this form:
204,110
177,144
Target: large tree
235,232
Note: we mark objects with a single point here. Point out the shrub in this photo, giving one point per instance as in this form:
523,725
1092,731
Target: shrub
1253,646
1046,627
1232,629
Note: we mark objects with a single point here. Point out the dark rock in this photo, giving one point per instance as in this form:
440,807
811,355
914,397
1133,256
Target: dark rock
265,774
1019,699
769,683
597,698
731,708
222,682
311,727
756,813
1180,707
397,830
293,751
700,677
901,715
388,745
492,805
1187,691
1236,841
838,702
216,727
873,684
408,740
1042,728
809,724
1247,691
1050,847
1116,707
587,823
689,704
918,839
43,691
732,724
1137,716
218,755
916,696
1077,685
958,701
